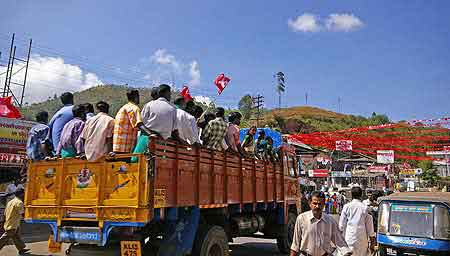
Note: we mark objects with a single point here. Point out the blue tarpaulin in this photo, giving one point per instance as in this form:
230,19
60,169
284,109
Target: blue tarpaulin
275,135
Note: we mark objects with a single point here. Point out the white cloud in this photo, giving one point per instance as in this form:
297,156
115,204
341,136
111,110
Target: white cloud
50,75
305,23
203,99
194,73
343,22
162,57
165,67
337,22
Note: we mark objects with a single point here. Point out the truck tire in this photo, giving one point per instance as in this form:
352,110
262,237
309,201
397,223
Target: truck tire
284,241
211,241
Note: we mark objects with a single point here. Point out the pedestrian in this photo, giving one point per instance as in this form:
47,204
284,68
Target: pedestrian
98,132
13,213
12,188
215,131
70,144
37,144
60,119
127,123
315,232
357,225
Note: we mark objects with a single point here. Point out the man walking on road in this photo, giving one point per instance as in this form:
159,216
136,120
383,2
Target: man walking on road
315,231
13,211
357,225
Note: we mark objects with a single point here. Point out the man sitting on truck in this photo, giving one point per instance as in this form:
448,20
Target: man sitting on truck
61,118
37,147
232,137
214,134
69,144
127,123
159,116
98,132
186,123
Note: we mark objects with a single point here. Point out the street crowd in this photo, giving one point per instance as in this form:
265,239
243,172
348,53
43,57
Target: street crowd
317,233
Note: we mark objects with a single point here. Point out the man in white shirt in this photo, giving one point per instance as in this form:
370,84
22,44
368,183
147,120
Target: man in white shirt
357,225
186,123
159,115
315,231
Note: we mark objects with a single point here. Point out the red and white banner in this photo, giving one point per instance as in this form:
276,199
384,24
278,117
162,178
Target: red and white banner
185,93
221,82
318,173
344,145
385,156
379,169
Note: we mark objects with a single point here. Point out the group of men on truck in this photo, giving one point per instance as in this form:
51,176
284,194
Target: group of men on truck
74,130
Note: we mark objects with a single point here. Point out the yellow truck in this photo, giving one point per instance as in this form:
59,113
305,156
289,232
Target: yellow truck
174,200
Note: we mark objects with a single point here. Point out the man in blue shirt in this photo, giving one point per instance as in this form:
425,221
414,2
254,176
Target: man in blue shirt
37,138
61,118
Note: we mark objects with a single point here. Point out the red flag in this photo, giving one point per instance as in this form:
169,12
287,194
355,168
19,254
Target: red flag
185,93
221,82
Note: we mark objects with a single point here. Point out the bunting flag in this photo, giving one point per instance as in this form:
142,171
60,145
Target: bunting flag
185,93
221,82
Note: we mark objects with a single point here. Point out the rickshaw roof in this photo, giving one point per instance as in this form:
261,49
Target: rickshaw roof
437,197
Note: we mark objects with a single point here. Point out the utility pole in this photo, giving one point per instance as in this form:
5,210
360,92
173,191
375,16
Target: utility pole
258,103
280,86
339,105
18,99
306,98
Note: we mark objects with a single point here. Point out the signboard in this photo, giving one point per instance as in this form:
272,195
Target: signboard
13,135
385,156
379,169
339,174
344,145
410,171
318,173
6,158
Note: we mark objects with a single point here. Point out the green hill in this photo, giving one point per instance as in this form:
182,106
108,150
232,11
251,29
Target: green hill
302,119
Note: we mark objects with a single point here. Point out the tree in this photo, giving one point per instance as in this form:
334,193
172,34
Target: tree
245,106
430,176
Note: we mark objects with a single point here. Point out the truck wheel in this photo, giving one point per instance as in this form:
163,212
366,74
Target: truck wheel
284,241
211,241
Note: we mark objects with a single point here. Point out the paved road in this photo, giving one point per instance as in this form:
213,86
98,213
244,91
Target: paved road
37,235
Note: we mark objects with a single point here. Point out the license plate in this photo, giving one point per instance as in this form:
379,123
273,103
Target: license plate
130,248
89,235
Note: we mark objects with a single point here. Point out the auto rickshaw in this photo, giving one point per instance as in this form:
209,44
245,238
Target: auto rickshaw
414,223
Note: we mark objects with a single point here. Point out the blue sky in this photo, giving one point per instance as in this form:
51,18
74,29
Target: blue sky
391,57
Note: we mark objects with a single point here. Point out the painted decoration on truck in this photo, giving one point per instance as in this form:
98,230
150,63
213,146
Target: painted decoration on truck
84,178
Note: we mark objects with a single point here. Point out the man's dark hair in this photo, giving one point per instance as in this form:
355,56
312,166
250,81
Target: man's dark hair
209,116
198,111
88,107
238,115
357,192
78,111
154,93
179,100
317,194
220,112
19,192
102,107
163,89
67,98
232,117
42,116
190,107
132,94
